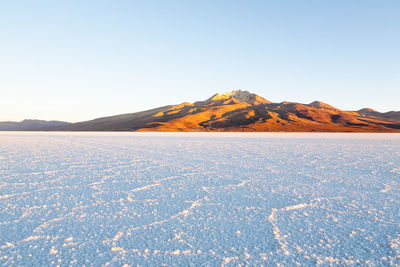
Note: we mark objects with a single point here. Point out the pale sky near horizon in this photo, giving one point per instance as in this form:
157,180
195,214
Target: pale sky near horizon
79,60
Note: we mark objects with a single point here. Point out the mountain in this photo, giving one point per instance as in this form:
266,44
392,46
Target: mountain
391,115
244,111
27,125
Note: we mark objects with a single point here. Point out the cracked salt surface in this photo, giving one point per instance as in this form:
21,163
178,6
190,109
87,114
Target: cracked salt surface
199,198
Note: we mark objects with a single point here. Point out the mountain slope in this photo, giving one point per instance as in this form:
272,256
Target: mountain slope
243,111
124,122
391,115
27,125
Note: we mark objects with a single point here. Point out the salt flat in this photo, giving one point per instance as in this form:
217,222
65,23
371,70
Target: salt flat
199,199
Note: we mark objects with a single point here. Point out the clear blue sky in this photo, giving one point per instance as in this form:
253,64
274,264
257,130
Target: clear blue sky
78,60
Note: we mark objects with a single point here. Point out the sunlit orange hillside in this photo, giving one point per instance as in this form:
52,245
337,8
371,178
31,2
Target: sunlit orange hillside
244,111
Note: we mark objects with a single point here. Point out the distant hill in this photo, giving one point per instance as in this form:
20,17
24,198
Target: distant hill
244,111
392,115
28,125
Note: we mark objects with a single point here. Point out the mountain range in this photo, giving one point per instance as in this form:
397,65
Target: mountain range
240,111
29,125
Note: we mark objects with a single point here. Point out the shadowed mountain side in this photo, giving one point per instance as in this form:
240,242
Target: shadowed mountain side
27,125
242,111
124,122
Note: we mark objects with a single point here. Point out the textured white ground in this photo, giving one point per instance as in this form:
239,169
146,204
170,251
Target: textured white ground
199,199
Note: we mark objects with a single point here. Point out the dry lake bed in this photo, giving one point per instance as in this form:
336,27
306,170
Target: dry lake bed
199,199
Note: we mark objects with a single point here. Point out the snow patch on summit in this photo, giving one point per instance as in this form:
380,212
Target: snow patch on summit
242,96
